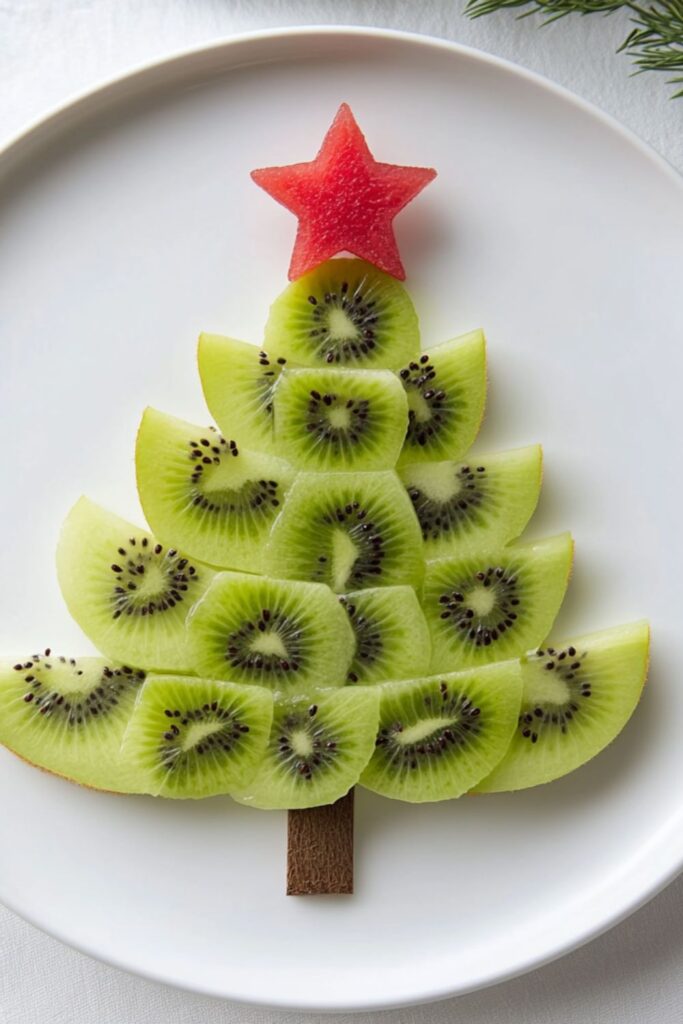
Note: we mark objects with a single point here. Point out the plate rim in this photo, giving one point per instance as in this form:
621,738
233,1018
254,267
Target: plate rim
84,102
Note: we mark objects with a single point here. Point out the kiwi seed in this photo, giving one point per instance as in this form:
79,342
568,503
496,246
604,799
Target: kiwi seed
359,317
369,645
461,723
74,706
418,377
175,754
320,425
436,519
252,495
265,384
168,572
240,653
566,665
492,621
305,745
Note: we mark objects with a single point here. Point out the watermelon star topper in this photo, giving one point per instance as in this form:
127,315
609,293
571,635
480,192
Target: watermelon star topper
345,199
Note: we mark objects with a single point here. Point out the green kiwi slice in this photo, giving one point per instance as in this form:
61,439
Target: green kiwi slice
129,593
484,502
239,381
344,313
494,605
281,634
439,736
392,637
577,696
340,419
349,530
318,747
68,716
190,738
216,500
446,389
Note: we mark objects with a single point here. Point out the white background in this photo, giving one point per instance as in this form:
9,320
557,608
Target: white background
50,50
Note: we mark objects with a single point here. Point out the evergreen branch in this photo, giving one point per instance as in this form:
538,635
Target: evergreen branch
655,42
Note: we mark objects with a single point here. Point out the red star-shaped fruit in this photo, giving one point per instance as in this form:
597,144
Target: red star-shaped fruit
345,199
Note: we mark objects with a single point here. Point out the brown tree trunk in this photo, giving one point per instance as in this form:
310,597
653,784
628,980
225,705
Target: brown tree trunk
320,849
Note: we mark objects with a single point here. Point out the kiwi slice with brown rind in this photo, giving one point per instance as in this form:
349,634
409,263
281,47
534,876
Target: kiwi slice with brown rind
446,390
391,634
577,697
496,604
203,492
127,591
344,313
190,738
239,381
283,634
319,744
348,530
468,506
440,735
340,420
68,716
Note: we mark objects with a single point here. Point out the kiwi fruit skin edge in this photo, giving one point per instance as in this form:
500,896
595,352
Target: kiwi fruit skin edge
97,589
42,723
577,697
225,526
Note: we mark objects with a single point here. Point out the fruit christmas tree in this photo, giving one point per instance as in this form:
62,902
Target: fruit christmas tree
333,591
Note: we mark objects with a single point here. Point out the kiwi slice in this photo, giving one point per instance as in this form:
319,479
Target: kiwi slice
68,716
215,499
239,381
576,697
439,736
318,747
277,633
465,506
392,637
494,605
128,593
192,738
349,530
446,389
340,419
344,313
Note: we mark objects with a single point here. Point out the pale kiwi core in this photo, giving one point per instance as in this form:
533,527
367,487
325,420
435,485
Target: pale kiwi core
340,326
547,689
419,406
344,554
197,732
422,730
269,643
437,481
227,476
481,600
339,417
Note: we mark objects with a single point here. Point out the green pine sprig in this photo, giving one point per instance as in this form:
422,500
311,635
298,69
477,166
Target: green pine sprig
655,43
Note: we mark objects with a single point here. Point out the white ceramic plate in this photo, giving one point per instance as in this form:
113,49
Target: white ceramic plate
128,223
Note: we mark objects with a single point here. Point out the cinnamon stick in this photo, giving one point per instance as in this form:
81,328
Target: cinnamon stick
320,849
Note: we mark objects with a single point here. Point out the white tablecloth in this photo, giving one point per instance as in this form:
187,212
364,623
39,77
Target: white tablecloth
50,49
